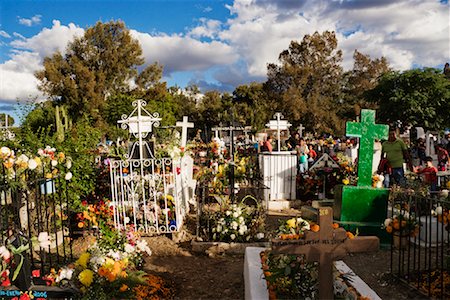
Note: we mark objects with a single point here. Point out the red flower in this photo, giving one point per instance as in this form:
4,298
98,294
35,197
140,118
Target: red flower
84,203
6,282
36,273
24,296
178,170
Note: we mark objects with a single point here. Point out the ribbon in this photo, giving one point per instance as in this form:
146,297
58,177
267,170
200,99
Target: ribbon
18,251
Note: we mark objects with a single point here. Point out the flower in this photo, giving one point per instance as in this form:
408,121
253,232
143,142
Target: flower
402,224
64,273
291,223
84,259
86,277
44,240
68,176
123,288
4,253
32,164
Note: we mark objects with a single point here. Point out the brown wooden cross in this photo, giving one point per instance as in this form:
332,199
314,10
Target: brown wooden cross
326,246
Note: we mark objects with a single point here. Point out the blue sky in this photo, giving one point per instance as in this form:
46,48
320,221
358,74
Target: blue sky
220,44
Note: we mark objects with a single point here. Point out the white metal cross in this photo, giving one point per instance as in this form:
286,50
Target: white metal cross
184,127
279,125
300,130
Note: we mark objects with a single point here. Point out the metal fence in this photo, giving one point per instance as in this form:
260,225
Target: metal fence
144,194
420,252
35,214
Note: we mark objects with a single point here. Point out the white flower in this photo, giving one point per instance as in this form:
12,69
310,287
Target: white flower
127,220
142,246
247,238
114,254
234,225
68,176
65,273
128,248
228,212
235,214
4,253
5,152
54,162
241,219
260,235
40,152
97,260
23,158
69,164
225,231
242,230
387,222
406,215
32,164
232,236
219,228
439,210
303,224
44,239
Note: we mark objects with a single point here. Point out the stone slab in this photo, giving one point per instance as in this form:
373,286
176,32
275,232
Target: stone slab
255,284
278,205
221,247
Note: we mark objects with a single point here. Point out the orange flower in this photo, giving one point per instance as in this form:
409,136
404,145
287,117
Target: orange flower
123,288
350,235
389,229
103,272
335,225
80,224
315,228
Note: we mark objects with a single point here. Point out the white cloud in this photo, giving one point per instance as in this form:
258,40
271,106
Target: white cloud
17,74
4,34
207,28
34,20
183,53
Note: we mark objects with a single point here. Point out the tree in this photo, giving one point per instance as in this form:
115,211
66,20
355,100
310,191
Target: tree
96,66
417,97
365,76
306,85
3,117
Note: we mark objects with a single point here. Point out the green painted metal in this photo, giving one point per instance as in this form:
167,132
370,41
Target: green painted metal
367,131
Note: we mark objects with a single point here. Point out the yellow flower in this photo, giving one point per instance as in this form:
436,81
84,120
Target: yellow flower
448,184
48,175
345,181
86,277
291,223
84,259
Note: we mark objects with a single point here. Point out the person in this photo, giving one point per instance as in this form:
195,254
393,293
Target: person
421,148
292,141
312,154
396,154
443,158
302,154
267,145
429,173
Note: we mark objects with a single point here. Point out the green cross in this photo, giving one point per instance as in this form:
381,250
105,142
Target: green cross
367,131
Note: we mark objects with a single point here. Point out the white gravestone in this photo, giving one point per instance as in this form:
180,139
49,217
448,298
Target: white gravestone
184,127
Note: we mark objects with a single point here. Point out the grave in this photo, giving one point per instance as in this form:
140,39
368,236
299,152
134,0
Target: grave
325,246
363,206
279,169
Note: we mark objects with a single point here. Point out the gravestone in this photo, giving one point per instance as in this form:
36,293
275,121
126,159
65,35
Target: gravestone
184,128
363,206
325,246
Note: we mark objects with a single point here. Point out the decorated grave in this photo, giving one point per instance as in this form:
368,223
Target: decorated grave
150,193
364,206
300,262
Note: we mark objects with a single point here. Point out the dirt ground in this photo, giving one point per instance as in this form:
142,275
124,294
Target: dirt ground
198,276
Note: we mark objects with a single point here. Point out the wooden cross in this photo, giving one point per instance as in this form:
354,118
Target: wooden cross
325,246
300,130
184,127
279,125
367,131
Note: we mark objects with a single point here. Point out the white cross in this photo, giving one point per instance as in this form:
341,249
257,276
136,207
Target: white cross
184,127
300,130
279,125
216,131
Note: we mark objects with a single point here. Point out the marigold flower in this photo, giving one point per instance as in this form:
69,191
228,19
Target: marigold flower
123,288
86,277
84,259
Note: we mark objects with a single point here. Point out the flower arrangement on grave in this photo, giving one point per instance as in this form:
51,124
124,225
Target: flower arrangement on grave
92,213
11,263
234,222
348,174
403,224
110,268
295,228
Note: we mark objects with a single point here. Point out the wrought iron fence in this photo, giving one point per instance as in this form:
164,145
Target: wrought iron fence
35,214
420,252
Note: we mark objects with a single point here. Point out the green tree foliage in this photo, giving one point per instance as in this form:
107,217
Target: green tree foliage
307,83
98,65
3,117
417,97
365,76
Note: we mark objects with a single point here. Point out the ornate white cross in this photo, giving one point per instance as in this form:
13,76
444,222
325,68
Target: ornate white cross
279,125
300,130
184,127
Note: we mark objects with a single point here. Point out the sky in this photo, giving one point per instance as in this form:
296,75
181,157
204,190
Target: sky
219,44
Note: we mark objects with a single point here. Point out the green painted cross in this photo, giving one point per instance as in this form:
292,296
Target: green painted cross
367,131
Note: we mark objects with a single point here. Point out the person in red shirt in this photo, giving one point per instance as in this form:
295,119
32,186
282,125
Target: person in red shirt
429,173
312,154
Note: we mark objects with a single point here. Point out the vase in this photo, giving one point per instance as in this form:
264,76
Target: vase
400,240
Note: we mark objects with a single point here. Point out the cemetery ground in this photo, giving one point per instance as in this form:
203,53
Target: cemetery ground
194,275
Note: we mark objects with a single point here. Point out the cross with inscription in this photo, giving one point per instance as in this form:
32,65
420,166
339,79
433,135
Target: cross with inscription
325,246
367,131
184,128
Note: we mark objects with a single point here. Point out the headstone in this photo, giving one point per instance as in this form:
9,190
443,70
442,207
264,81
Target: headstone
184,127
325,246
363,206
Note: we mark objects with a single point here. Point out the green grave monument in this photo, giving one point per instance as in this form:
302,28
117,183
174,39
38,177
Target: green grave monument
363,206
